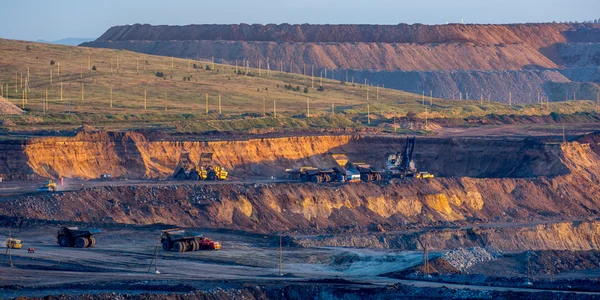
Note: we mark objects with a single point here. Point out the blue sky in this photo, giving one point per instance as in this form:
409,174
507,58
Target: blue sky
53,20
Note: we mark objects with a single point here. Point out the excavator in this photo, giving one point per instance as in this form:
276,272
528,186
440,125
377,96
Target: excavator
205,170
402,165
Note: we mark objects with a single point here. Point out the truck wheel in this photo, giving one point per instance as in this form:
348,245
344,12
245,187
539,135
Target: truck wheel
364,177
81,242
377,177
181,176
179,247
212,176
194,245
166,245
304,178
326,178
194,176
64,241
92,242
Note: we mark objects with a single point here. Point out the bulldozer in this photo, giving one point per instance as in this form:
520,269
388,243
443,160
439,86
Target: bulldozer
13,243
49,186
181,241
402,165
76,237
205,170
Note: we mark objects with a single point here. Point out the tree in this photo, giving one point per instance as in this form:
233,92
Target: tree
306,90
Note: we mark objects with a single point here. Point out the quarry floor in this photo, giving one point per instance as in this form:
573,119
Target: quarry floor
122,262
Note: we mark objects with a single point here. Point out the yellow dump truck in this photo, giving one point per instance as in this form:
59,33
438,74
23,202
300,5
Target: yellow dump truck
14,243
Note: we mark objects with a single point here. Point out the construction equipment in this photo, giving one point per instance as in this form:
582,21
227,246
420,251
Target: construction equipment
76,237
181,241
402,165
49,186
13,243
355,171
205,170
208,171
316,175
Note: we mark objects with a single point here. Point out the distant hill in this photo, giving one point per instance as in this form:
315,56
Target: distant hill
68,41
446,60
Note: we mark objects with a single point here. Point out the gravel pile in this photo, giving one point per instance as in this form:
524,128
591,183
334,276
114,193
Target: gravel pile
7,108
463,258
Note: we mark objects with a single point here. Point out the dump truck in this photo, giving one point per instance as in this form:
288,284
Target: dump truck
204,170
76,237
49,186
13,243
316,175
179,240
357,171
402,165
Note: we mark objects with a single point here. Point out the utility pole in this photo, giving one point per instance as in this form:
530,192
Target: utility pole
280,255
430,97
509,98
307,107
50,76
58,66
61,91
219,103
10,262
313,76
81,91
206,104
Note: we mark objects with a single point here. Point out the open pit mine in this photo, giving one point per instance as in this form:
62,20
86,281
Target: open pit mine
504,217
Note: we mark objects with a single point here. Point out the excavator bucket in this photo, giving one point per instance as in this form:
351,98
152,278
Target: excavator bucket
341,159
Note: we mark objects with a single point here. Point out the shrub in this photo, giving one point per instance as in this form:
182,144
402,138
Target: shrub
160,74
321,89
306,90
52,63
94,68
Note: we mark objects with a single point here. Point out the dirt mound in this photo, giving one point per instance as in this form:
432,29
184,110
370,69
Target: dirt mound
539,35
462,259
558,261
336,58
7,108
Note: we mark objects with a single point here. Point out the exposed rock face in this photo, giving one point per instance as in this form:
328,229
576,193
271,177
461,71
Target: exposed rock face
132,155
388,51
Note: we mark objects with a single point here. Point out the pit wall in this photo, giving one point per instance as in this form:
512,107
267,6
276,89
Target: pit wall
131,155
312,207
